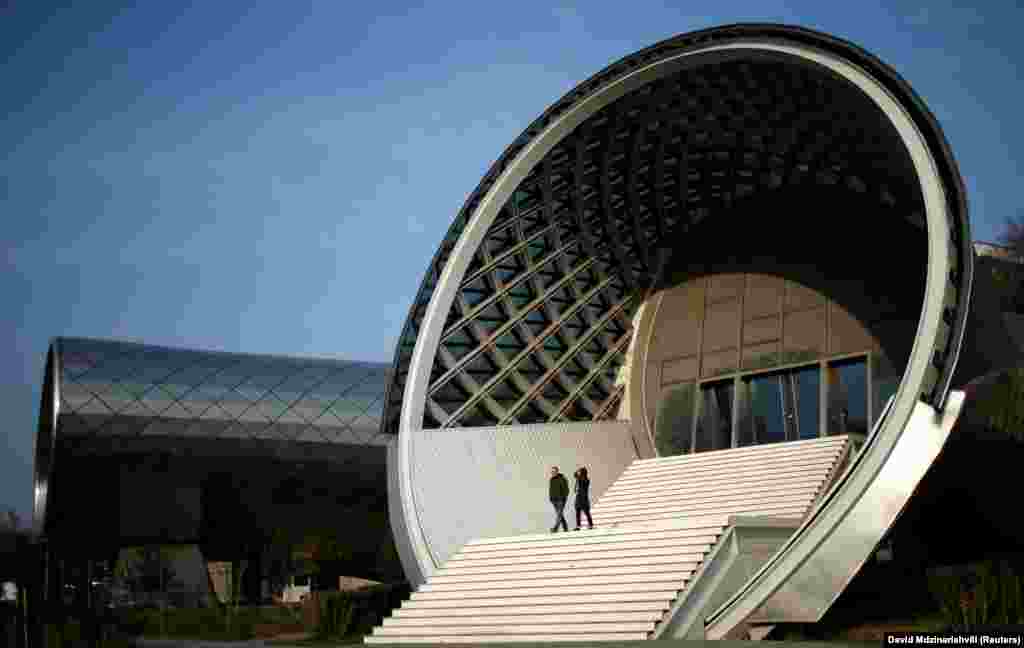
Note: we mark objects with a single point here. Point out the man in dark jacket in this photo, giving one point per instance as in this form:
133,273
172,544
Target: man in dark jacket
558,491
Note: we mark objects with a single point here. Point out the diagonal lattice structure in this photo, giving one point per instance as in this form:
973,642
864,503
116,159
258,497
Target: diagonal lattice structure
133,389
638,176
98,393
541,320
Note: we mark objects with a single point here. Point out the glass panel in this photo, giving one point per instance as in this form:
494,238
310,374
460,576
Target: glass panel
714,425
807,393
885,379
763,420
848,397
780,407
673,428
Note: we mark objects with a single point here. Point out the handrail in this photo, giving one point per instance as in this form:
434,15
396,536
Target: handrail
811,518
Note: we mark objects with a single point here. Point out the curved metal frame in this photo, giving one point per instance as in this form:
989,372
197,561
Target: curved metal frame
947,294
46,439
200,396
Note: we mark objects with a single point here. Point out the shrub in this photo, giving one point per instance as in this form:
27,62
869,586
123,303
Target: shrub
344,614
996,597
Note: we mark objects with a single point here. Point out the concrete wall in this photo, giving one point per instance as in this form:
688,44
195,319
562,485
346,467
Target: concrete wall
493,481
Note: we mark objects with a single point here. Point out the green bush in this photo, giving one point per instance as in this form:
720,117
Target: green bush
996,598
347,614
335,614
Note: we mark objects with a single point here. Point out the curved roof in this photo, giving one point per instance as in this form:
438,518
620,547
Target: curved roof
102,391
585,208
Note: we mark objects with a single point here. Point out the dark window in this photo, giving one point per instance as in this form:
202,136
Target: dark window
674,425
714,425
848,397
780,406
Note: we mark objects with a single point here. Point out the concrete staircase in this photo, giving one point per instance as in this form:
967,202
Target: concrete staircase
653,528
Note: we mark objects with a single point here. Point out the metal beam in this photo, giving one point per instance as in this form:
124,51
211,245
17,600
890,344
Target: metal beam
551,328
613,236
597,370
552,373
530,273
509,325
632,199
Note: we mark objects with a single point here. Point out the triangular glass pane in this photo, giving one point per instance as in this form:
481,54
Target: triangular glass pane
309,434
340,435
290,416
135,388
227,379
150,374
73,396
263,379
253,394
362,429
300,383
156,400
176,391
94,406
308,411
214,413
176,410
342,412
210,428
286,431
210,392
197,407
114,393
135,409
233,408
235,431
252,416
269,409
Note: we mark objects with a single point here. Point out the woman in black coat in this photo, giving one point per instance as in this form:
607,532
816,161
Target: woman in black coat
583,497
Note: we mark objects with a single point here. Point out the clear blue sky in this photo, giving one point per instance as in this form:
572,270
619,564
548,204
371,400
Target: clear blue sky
274,176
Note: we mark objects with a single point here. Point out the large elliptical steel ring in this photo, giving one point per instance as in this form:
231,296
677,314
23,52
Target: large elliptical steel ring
948,277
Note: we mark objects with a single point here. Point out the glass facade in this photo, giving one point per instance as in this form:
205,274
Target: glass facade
714,424
746,359
848,397
126,389
780,406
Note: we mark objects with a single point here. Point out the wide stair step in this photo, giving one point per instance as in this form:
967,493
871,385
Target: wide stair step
656,525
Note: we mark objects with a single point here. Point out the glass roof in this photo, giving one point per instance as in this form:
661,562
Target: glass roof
121,388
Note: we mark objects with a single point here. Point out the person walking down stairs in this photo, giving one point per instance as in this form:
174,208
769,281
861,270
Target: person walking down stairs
558,492
583,497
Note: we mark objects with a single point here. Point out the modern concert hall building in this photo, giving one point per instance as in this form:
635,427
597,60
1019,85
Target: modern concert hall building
732,274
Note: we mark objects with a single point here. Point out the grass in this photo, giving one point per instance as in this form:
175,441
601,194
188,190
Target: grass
215,623
317,641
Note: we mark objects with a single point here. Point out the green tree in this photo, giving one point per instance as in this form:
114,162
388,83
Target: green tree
150,571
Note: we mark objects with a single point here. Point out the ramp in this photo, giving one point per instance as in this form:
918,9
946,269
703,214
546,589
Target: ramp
655,526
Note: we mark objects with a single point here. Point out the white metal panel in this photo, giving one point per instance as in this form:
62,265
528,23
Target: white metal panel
493,481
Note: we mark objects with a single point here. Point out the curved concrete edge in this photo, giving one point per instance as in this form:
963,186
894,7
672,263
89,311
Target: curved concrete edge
636,388
809,572
748,542
399,531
